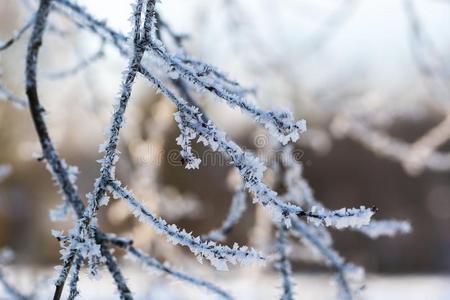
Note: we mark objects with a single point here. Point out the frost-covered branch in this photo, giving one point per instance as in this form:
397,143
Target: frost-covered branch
31,6
318,239
140,38
299,191
283,265
107,169
280,124
390,228
84,233
116,273
57,167
218,255
342,218
331,257
250,167
84,241
75,273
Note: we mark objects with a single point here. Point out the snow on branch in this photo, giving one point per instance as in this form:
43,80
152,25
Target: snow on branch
390,228
138,39
57,167
218,255
83,236
249,166
342,218
299,191
280,124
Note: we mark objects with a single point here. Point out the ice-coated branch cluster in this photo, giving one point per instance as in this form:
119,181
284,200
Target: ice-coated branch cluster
250,167
83,242
202,76
318,239
179,77
189,116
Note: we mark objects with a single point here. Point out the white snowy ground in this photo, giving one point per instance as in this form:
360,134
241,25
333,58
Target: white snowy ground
246,285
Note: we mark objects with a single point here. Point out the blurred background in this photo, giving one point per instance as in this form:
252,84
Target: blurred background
371,78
